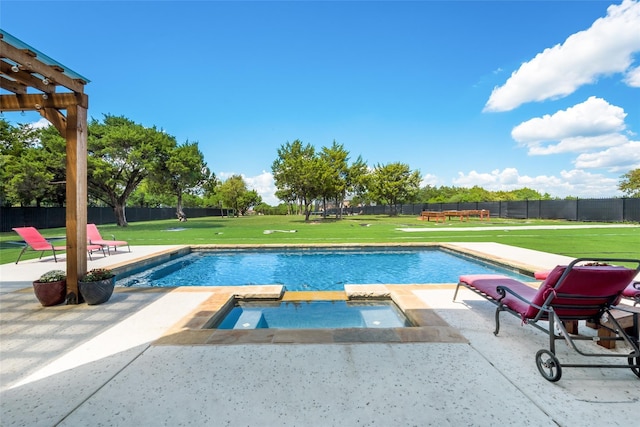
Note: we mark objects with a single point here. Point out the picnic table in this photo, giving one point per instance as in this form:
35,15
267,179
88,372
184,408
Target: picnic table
438,215
463,215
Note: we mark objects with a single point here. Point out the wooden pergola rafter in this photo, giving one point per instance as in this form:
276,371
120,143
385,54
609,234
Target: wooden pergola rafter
31,81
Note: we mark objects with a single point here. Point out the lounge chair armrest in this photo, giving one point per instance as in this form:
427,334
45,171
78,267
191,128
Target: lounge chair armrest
503,290
541,309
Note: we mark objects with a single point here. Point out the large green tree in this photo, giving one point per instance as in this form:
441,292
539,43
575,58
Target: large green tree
630,183
54,154
236,195
333,175
340,178
297,173
28,170
121,154
393,183
181,171
29,179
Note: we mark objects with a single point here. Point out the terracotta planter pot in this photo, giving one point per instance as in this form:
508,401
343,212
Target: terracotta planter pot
98,292
50,293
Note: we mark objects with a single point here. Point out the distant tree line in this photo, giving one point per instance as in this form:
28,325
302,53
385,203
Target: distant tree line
307,178
127,163
132,165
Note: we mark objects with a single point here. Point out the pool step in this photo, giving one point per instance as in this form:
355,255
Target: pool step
374,318
250,319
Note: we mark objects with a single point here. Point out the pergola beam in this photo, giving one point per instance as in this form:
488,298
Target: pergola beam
27,61
30,102
12,86
57,119
25,78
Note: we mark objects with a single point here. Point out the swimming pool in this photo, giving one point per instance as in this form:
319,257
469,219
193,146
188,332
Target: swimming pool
313,315
316,269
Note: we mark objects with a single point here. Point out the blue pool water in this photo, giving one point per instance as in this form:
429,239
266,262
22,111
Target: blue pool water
314,314
314,269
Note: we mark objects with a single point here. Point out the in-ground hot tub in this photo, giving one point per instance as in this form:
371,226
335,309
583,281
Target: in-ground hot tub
316,314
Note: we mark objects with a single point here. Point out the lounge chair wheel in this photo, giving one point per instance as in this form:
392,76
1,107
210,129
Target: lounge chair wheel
635,362
548,365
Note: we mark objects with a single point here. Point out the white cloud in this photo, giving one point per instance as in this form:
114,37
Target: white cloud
263,184
620,158
429,179
633,77
223,176
607,47
42,123
570,183
593,129
578,144
593,117
506,179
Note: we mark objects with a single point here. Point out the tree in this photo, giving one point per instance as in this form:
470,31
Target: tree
121,154
144,197
23,177
357,177
54,154
630,184
333,171
182,171
235,194
394,183
29,179
297,174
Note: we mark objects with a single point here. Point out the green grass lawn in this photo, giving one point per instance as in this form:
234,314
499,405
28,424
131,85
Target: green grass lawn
604,242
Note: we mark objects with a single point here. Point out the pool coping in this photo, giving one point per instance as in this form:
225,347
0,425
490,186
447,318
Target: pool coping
429,326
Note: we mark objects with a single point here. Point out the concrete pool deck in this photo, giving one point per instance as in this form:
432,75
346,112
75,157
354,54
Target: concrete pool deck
108,365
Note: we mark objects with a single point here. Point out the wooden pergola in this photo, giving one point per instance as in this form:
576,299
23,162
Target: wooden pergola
30,81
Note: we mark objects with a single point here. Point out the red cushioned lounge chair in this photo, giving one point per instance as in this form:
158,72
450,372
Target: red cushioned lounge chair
573,292
96,239
36,242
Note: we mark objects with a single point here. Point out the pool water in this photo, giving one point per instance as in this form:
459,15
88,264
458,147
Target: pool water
313,315
317,269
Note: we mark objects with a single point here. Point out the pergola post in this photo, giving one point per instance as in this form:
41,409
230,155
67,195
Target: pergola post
76,213
30,80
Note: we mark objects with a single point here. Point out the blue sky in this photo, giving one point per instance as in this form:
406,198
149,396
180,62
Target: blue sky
500,94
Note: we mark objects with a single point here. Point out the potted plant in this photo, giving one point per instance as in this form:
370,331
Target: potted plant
51,288
96,286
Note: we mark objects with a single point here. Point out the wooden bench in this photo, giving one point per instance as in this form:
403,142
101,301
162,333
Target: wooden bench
482,213
432,214
463,215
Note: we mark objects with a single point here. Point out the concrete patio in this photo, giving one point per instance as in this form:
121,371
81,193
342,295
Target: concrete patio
112,365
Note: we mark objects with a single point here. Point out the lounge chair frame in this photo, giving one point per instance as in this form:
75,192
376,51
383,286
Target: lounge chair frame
95,238
43,244
546,360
